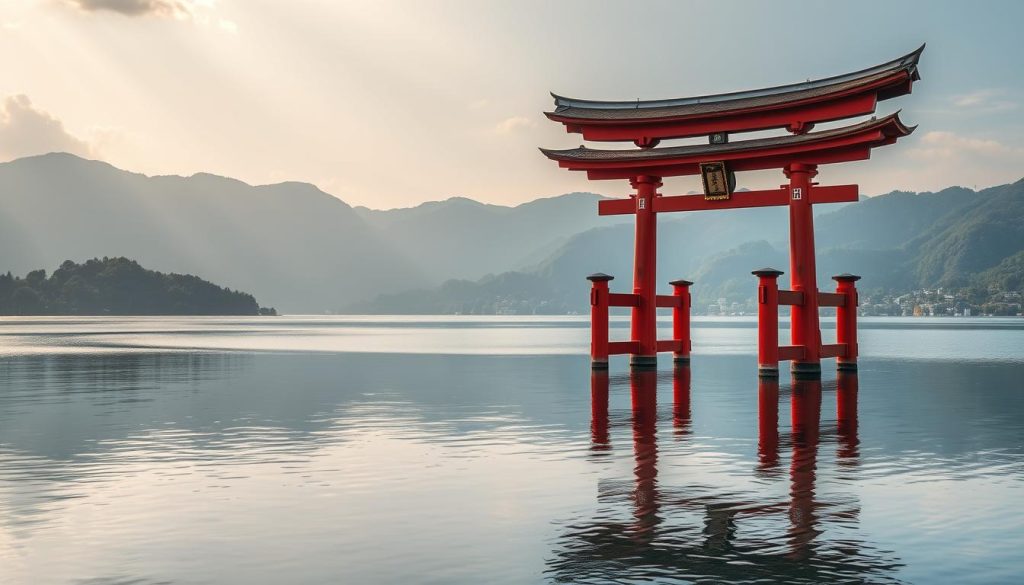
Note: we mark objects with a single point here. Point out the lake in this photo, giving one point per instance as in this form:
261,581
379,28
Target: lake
484,450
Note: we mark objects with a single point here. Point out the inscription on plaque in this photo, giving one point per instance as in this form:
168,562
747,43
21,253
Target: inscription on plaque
716,177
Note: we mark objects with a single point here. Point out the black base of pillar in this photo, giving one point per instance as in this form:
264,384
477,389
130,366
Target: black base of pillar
846,366
681,360
598,365
768,371
809,370
643,361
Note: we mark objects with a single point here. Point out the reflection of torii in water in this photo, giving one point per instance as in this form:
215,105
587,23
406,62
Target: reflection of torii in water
651,545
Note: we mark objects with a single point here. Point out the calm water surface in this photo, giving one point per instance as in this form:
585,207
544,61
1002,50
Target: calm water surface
483,450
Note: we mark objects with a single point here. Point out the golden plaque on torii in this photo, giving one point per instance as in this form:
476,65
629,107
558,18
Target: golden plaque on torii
715,176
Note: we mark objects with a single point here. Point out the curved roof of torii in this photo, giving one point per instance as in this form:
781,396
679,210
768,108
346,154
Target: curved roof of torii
828,146
886,81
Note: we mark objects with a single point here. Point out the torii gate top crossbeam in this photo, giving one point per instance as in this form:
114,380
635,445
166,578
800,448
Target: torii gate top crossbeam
797,106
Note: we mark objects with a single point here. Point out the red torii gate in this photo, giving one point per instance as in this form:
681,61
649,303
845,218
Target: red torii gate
796,108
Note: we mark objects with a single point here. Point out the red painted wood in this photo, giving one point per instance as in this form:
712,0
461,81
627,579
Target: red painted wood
835,194
622,347
768,321
837,108
668,301
623,300
616,207
759,162
837,148
599,321
681,320
791,352
790,297
644,317
833,350
846,320
804,327
670,345
736,201
739,200
799,158
831,299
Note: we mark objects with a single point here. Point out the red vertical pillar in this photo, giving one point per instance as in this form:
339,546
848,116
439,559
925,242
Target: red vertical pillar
804,322
599,320
681,321
767,321
846,321
644,318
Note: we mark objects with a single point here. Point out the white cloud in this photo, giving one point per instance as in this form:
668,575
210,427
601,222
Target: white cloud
513,124
942,145
989,100
26,131
937,160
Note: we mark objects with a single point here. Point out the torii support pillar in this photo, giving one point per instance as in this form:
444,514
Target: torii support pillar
804,324
599,303
768,321
644,321
846,321
681,321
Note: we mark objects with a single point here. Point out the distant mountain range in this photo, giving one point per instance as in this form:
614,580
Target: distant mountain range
292,245
898,242
462,238
302,250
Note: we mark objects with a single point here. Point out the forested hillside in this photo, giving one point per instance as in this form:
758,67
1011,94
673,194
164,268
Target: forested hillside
118,286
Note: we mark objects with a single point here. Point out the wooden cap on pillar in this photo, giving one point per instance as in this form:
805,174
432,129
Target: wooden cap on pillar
846,277
769,272
600,277
680,282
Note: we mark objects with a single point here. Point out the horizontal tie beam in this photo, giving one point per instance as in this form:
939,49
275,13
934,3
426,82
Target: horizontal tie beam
670,345
623,300
831,299
672,301
616,206
833,350
791,297
791,352
621,347
738,200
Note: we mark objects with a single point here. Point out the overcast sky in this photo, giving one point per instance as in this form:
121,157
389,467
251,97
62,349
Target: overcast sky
387,104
